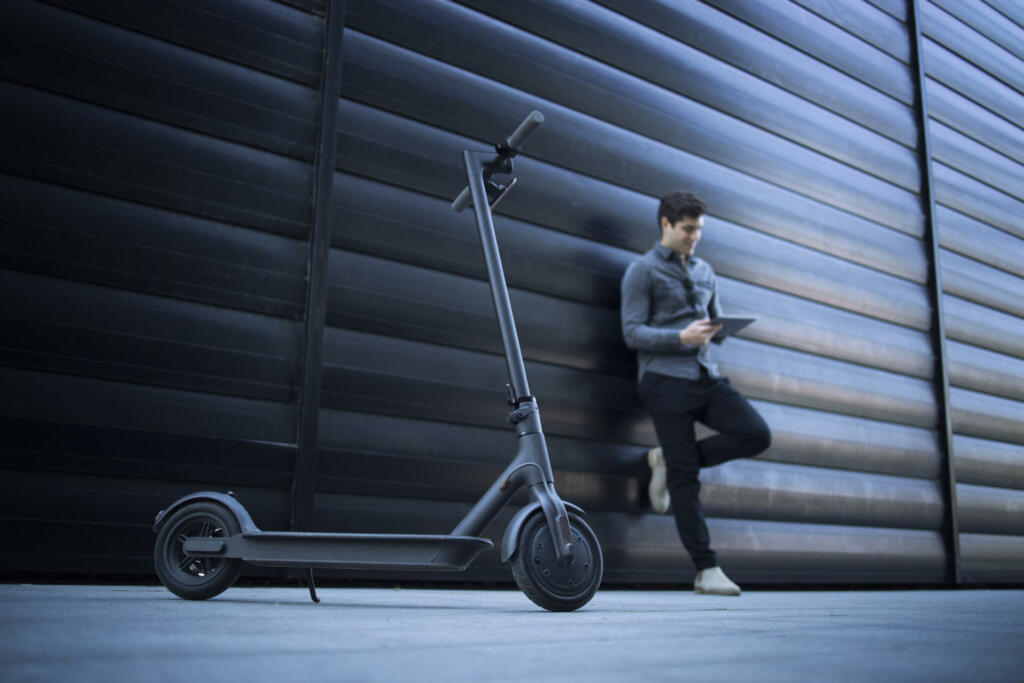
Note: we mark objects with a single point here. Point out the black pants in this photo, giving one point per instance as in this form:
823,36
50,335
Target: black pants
675,404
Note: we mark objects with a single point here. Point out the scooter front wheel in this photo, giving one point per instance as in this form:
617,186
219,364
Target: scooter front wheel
556,586
196,578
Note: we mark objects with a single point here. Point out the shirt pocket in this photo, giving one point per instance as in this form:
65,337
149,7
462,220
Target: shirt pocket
705,290
669,299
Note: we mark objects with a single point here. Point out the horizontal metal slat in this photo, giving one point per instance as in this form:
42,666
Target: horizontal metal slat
375,219
74,523
894,8
605,473
261,33
375,295
975,160
1011,10
799,436
36,298
382,75
84,449
454,35
110,500
981,284
76,235
63,398
352,472
872,25
478,43
974,368
387,147
60,326
383,436
803,325
767,261
979,241
373,373
977,325
317,7
69,546
751,50
838,48
647,547
987,21
794,553
380,374
970,81
990,510
68,142
785,376
960,38
992,557
805,436
974,121
754,489
958,191
73,55
988,463
987,416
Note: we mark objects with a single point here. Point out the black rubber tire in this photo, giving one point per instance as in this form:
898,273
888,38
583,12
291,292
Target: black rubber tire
555,587
195,578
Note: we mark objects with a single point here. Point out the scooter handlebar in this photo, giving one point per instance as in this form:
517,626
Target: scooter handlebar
462,201
525,129
513,142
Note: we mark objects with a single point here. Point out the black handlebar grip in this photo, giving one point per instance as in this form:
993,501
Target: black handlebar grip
525,129
462,201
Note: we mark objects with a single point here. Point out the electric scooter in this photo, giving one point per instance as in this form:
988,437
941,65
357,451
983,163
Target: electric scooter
204,538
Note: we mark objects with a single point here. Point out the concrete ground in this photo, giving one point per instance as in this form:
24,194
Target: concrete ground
142,633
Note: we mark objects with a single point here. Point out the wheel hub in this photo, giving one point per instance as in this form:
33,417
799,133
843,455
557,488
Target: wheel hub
199,567
561,577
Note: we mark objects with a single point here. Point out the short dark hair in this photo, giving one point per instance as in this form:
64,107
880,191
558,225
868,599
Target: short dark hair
678,205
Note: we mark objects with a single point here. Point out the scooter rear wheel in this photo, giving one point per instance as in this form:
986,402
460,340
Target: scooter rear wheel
552,585
195,578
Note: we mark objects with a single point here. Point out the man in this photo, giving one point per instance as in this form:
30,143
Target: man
668,295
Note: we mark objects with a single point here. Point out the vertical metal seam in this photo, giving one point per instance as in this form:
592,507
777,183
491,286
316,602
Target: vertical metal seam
938,328
302,507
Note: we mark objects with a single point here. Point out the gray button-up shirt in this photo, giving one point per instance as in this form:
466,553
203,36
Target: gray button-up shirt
655,309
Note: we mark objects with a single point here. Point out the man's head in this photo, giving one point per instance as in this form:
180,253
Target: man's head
681,218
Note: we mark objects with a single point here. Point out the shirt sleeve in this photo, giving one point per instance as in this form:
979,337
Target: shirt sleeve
636,311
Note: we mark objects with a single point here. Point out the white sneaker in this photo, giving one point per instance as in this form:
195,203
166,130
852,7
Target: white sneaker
713,581
657,490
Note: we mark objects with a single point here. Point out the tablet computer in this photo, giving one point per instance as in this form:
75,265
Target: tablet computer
731,324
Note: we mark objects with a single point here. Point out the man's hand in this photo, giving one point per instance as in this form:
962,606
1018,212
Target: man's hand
699,332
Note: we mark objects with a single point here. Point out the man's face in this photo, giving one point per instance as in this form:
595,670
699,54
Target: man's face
683,235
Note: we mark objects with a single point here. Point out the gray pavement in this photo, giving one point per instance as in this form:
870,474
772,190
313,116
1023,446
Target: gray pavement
142,633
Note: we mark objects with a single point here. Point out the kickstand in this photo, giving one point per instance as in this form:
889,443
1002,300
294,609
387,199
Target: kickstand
312,586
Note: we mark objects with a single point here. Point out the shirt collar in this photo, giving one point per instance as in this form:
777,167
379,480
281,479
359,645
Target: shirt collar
669,255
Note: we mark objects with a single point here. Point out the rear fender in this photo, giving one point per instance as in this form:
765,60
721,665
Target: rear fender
227,500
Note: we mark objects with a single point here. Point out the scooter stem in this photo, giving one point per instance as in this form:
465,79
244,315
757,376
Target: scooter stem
474,162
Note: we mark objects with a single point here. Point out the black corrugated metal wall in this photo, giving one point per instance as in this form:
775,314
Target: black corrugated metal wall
973,54
157,162
158,184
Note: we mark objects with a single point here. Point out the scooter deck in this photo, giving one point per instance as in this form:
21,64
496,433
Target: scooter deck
344,551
